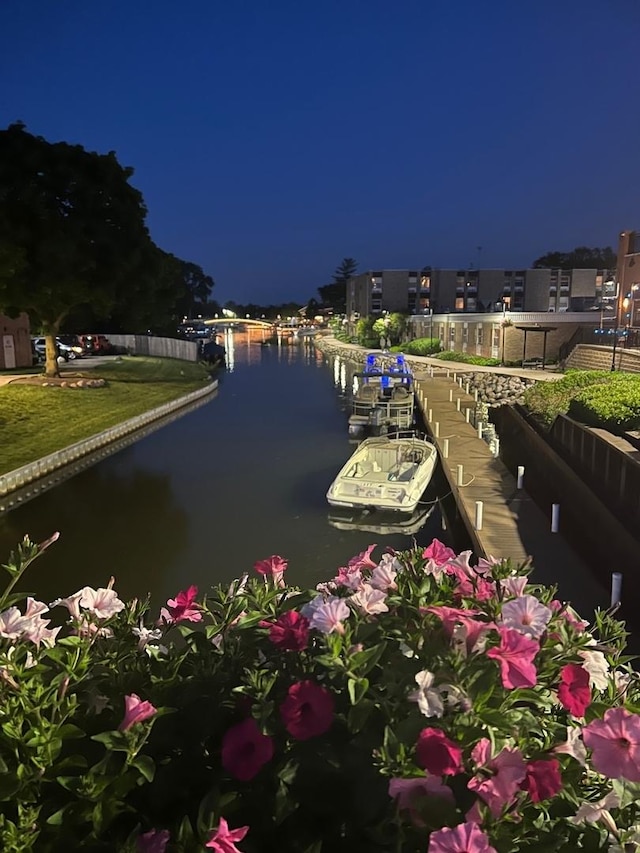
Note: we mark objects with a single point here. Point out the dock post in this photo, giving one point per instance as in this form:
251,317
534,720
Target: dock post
451,395
480,427
460,476
616,588
467,415
479,508
466,388
445,448
430,417
458,404
520,483
555,518
436,429
475,394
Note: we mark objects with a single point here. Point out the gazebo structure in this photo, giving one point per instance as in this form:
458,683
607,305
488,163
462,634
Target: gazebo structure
545,331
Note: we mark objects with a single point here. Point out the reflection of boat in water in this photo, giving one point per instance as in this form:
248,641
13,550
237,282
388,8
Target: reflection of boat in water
382,523
383,399
385,472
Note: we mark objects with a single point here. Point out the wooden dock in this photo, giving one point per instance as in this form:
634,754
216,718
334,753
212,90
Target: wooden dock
512,524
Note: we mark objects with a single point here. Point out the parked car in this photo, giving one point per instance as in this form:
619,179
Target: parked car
72,342
39,351
95,344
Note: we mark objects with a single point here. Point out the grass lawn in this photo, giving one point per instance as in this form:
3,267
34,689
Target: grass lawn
35,420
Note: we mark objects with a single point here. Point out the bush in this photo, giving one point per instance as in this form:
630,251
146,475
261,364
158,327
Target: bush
467,358
422,346
546,400
615,407
412,703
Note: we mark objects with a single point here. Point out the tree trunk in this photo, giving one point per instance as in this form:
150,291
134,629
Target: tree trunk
51,363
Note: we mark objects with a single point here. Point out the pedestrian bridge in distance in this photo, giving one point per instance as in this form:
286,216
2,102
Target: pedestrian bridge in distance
239,321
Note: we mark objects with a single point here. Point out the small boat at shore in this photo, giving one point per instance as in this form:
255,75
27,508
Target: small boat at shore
388,472
383,397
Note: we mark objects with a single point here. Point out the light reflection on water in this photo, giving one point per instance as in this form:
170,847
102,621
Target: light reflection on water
200,500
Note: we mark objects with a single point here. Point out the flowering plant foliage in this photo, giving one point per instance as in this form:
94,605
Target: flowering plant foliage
414,702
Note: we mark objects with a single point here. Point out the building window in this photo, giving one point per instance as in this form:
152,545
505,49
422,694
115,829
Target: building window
459,303
479,334
471,303
465,333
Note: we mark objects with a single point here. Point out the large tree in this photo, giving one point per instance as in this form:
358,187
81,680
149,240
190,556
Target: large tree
335,295
75,228
580,258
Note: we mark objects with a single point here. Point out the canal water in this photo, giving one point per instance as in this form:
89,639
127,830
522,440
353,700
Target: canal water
200,500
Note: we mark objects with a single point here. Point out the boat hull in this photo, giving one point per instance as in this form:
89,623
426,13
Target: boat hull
386,473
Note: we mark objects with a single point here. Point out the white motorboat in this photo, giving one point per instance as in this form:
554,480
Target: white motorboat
386,472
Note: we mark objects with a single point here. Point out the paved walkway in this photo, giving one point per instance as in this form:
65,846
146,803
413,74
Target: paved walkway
76,366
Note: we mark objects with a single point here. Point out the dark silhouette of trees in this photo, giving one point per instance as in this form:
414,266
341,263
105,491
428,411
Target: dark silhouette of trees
73,228
335,295
582,257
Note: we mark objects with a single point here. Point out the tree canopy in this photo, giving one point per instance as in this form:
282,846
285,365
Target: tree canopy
580,258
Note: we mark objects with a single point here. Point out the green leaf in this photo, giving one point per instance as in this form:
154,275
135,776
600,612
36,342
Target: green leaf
115,741
364,661
357,689
146,766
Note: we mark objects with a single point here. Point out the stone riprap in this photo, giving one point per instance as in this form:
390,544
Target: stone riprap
494,389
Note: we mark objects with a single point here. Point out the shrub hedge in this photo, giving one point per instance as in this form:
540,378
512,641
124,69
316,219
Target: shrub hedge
467,358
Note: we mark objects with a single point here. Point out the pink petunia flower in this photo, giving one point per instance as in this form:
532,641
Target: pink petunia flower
154,841
272,568
348,578
615,744
499,778
182,608
594,812
569,615
289,632
136,711
439,553
543,779
308,710
464,838
102,602
72,603
11,623
363,560
223,839
369,601
327,614
245,750
514,585
474,586
515,655
384,576
527,615
438,755
409,793
574,692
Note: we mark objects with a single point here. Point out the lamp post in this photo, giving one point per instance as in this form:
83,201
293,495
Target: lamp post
615,329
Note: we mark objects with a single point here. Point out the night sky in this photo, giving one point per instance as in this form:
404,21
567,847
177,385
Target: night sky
271,139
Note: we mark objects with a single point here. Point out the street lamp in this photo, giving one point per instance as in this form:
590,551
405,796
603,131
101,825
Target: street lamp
615,329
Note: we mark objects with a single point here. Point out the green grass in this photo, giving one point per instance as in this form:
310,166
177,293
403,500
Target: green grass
35,421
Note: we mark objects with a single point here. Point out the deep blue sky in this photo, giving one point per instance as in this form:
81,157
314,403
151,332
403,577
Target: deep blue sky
272,138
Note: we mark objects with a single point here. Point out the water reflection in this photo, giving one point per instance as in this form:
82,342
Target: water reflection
200,500
115,519
382,523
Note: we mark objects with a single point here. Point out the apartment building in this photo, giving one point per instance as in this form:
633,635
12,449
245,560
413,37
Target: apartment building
479,290
628,278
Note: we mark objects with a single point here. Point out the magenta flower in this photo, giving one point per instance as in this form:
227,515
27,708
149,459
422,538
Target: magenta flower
135,711
348,578
438,755
273,567
308,710
615,744
464,838
182,608
543,779
458,617
515,655
499,778
154,841
439,553
514,585
569,615
363,560
245,750
574,692
223,839
527,615
475,587
289,632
